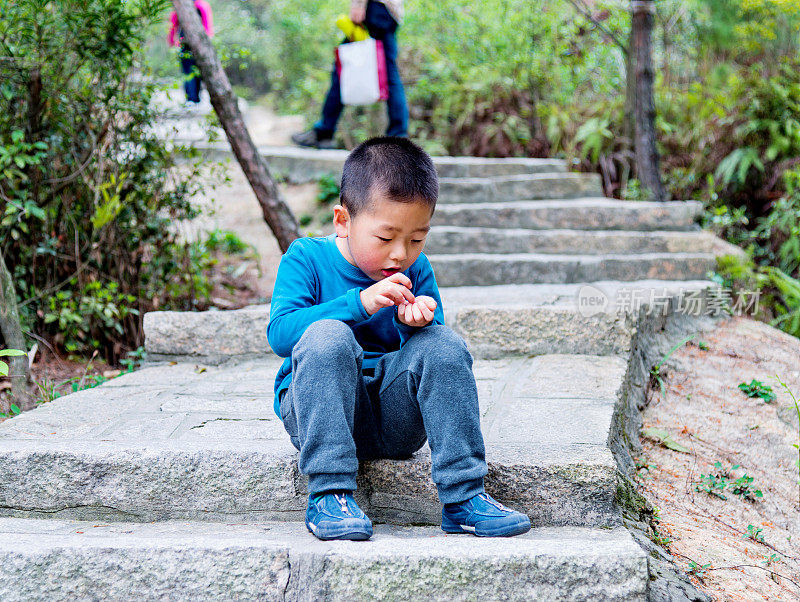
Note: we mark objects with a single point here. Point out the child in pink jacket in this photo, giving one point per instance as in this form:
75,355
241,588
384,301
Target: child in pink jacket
191,83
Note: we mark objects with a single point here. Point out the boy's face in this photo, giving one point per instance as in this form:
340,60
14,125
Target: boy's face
385,238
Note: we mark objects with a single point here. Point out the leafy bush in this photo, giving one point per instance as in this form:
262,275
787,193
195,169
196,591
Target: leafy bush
89,197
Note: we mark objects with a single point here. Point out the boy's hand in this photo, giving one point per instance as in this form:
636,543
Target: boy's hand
392,290
417,313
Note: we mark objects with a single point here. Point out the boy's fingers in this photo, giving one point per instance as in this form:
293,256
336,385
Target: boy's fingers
430,302
400,278
408,314
426,311
383,301
403,293
417,312
396,295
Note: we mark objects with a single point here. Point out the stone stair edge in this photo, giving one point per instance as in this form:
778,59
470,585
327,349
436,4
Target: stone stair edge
556,485
583,201
523,177
283,562
497,292
481,314
302,165
556,232
588,258
295,152
277,530
449,239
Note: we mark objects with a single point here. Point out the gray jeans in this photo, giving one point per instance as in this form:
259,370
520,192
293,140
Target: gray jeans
335,415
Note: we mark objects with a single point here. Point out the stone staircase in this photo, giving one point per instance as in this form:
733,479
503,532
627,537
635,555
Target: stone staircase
177,481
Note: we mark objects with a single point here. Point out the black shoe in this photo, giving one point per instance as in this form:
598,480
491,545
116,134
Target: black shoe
312,139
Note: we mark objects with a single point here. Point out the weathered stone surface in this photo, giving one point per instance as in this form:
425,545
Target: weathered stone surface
205,479
300,165
543,319
166,454
59,560
573,214
476,269
447,240
494,320
515,188
234,333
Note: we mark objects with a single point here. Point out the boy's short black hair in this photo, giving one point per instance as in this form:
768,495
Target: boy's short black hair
392,165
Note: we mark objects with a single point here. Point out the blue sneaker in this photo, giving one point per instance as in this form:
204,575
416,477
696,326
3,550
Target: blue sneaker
335,515
483,516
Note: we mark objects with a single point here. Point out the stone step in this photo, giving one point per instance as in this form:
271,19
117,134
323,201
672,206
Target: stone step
524,186
305,164
457,239
196,442
177,560
575,214
592,318
476,269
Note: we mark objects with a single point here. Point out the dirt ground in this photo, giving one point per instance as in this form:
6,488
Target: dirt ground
734,548
233,206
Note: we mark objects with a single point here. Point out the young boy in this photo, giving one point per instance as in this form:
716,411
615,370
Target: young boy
371,371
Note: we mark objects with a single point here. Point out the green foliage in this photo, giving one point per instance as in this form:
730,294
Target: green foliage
777,234
736,166
722,480
593,135
134,360
85,318
778,293
796,406
8,353
90,196
225,241
754,533
656,377
14,408
328,189
756,388
697,569
664,438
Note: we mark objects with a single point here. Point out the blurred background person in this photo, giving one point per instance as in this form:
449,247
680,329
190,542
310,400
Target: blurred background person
191,81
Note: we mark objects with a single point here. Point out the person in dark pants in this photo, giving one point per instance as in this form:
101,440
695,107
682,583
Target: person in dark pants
191,81
381,20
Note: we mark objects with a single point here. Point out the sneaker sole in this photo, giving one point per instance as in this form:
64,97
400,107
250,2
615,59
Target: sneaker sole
349,533
517,528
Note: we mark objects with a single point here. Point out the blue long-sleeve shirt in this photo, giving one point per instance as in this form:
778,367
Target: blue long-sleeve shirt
316,282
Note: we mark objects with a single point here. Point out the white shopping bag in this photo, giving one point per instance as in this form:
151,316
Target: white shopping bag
362,72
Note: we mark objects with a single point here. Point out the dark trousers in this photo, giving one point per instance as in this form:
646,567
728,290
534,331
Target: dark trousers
336,415
381,25
191,80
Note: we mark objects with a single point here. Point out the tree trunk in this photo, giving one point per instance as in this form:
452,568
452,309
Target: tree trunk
12,335
276,213
628,119
647,167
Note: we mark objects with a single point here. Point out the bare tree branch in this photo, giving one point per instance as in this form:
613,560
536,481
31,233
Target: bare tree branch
586,12
277,214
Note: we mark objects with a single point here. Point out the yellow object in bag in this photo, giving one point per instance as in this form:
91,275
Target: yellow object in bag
354,33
